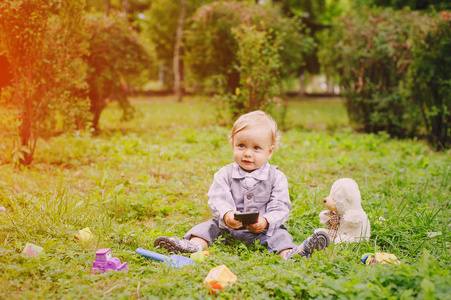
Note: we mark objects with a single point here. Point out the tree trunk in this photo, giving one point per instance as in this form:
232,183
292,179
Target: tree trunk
178,41
302,85
25,132
125,6
107,7
161,78
330,86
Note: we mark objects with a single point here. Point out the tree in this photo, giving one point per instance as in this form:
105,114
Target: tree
115,61
258,65
160,27
129,8
5,73
43,41
177,47
211,47
239,51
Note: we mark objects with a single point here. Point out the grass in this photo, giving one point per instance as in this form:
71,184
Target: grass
149,177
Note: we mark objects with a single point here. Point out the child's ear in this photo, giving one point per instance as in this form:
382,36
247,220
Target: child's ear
270,152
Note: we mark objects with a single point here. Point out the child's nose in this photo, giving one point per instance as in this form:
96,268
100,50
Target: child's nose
325,200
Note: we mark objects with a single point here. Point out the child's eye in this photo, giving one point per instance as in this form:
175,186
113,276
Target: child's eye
257,148
241,145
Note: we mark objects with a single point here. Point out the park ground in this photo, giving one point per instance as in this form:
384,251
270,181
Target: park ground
149,176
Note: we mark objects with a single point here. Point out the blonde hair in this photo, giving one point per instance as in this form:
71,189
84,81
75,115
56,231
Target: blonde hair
256,118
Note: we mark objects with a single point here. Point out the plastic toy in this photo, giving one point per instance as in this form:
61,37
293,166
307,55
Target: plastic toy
104,262
84,235
218,278
32,250
174,261
380,258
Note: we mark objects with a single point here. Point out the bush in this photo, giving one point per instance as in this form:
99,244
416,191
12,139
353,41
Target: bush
429,79
116,59
394,68
218,54
258,65
370,53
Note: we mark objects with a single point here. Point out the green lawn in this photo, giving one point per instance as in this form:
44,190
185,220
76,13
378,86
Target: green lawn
149,177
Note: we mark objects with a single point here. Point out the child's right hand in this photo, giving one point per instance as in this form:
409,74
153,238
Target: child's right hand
229,219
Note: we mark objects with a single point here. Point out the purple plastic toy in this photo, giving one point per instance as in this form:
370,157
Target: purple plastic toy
104,262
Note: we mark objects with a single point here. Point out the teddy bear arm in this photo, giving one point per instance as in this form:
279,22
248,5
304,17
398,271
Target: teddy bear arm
323,218
354,217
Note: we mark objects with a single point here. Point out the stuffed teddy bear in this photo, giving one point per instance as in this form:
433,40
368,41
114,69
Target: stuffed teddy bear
345,218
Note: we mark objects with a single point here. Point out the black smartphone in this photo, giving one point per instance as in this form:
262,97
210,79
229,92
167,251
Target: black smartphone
247,218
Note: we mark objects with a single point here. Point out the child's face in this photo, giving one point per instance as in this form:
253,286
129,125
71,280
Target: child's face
252,147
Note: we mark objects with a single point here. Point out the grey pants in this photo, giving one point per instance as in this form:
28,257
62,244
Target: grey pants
209,231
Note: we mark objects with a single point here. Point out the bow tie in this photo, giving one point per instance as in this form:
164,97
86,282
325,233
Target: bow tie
333,224
250,181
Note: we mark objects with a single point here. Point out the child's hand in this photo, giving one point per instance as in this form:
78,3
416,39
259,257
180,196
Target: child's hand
258,227
229,219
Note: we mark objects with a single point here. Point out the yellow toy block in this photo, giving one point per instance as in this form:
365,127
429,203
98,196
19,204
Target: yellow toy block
219,277
84,235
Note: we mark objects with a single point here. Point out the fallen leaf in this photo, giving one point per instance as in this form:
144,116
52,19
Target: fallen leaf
432,234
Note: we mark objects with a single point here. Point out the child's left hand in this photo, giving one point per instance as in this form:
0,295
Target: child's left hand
258,227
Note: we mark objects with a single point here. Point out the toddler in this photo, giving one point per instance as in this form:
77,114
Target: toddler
250,184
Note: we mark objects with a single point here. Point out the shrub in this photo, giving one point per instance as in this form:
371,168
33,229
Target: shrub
394,68
370,52
258,65
429,81
218,54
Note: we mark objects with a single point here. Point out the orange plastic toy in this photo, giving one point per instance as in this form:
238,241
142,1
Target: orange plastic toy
219,277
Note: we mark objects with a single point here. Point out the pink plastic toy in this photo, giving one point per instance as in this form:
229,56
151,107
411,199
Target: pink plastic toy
104,262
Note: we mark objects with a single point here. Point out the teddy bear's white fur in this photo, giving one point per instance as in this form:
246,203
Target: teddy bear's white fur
345,201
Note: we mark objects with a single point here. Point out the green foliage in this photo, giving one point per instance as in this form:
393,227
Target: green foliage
115,61
132,7
258,65
43,42
369,51
316,15
210,45
392,80
160,26
429,81
294,46
222,60
412,4
149,176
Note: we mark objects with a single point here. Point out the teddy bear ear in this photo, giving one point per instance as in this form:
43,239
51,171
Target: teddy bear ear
352,191
349,182
352,181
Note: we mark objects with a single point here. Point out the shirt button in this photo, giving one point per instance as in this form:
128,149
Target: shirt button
249,196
